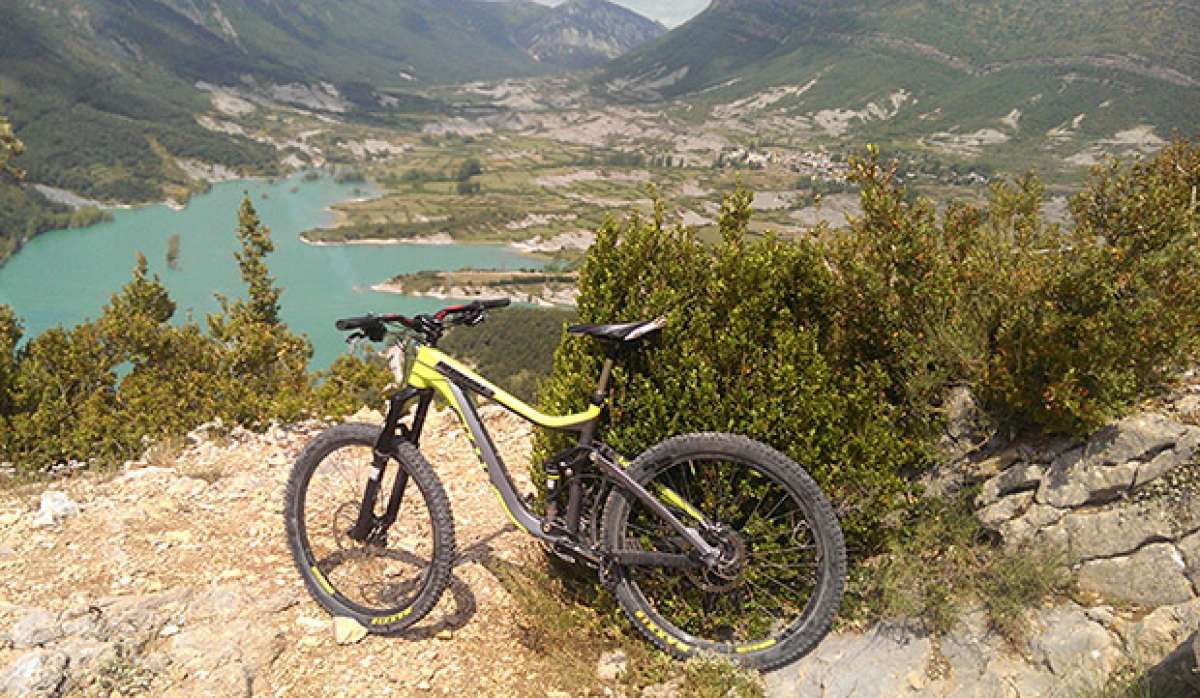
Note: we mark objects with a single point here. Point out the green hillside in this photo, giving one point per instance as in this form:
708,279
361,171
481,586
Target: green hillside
386,43
1070,80
105,94
101,122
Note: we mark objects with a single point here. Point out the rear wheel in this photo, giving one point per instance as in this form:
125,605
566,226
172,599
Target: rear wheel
783,569
394,578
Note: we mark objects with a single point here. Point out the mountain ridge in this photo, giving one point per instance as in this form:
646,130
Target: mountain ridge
960,78
587,33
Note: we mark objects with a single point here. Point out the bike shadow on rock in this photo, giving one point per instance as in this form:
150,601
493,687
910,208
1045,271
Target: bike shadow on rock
464,602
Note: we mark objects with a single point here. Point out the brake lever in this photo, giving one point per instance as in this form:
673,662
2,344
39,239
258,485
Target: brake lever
355,336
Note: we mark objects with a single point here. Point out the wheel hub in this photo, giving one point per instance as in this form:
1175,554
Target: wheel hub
726,573
345,518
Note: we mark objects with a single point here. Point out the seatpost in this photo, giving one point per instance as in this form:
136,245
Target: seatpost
599,397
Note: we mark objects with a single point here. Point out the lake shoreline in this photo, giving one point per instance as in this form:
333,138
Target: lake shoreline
320,282
550,290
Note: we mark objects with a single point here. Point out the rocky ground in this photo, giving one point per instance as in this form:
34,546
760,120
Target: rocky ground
1121,509
173,577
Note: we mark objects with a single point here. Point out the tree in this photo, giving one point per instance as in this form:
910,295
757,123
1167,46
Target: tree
471,167
265,364
10,147
263,305
10,336
173,252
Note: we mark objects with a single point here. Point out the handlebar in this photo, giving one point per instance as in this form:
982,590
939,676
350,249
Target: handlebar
358,323
374,327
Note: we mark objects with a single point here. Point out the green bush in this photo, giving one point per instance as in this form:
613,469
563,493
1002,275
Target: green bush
745,347
351,383
469,168
1056,330
99,392
1104,314
838,348
10,147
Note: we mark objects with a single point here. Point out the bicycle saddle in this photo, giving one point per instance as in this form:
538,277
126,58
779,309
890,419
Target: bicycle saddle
625,333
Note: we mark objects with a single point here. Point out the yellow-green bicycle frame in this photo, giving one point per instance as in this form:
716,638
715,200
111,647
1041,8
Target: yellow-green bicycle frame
425,374
433,372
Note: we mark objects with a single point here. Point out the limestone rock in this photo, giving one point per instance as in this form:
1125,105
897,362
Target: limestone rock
1190,547
1016,478
1074,647
55,506
227,681
1184,452
878,663
37,627
1117,458
1133,438
1061,488
1008,508
974,655
37,674
967,426
612,666
1035,519
1158,634
348,631
86,657
1153,576
1118,531
670,689
138,619
219,657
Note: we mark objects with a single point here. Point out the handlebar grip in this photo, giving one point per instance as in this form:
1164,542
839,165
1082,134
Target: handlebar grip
496,303
355,323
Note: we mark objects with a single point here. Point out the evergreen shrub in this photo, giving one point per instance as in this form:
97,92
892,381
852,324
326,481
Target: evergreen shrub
745,350
838,348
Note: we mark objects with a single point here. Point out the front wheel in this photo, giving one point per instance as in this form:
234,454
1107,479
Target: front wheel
774,597
393,578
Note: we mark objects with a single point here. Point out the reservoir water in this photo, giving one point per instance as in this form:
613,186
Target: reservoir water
65,277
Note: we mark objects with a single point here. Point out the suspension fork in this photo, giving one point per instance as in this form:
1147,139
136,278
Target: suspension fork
367,524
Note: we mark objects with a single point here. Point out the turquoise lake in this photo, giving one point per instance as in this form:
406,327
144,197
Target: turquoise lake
65,277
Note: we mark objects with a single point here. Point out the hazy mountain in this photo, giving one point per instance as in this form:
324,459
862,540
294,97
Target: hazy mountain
971,72
381,42
586,33
104,91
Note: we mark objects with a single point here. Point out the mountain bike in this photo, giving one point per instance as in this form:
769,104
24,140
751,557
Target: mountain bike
711,543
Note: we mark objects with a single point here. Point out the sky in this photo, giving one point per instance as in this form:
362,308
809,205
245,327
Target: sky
670,12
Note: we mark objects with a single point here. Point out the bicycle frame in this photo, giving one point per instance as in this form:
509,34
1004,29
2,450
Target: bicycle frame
435,373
